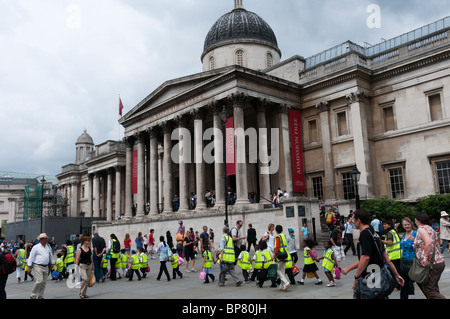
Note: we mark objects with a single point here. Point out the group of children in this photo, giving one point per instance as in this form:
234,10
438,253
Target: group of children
263,258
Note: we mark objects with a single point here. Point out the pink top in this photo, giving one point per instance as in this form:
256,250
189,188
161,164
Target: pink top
419,246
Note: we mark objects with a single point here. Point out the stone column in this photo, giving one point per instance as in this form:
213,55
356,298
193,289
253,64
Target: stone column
140,213
218,155
167,168
89,212
153,159
237,100
198,115
263,156
96,195
327,151
74,200
109,195
361,141
184,159
118,200
129,142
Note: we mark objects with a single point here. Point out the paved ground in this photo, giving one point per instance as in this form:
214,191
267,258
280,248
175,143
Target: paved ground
190,287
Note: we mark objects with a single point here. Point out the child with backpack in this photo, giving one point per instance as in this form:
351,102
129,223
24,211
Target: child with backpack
244,262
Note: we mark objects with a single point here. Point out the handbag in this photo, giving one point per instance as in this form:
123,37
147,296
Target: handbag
202,275
91,281
337,273
419,273
272,272
282,255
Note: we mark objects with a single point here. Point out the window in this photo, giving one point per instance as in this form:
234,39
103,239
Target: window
342,123
434,102
240,57
396,183
269,60
212,65
317,187
312,131
443,176
347,186
388,118
83,191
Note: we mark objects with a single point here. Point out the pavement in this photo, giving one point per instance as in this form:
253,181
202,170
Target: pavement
191,288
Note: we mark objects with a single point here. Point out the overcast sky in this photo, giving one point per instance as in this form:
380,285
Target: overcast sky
63,63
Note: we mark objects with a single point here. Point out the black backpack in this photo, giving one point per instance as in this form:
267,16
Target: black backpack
7,264
116,247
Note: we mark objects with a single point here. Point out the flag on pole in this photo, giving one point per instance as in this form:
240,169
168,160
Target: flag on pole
120,106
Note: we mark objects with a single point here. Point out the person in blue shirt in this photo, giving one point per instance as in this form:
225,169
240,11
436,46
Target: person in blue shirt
408,255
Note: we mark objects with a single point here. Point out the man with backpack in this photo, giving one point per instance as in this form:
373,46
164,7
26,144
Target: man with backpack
7,266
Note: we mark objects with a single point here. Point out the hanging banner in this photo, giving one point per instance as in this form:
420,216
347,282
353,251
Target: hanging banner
229,147
134,173
297,152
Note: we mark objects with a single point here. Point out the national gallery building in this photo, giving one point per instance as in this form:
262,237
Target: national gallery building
298,124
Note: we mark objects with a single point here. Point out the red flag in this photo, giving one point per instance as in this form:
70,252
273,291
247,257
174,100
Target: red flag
120,106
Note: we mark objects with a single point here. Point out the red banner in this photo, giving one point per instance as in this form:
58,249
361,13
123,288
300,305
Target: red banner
134,166
297,152
229,147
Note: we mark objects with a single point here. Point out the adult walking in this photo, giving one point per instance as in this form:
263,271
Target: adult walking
205,243
444,231
371,252
348,235
251,237
163,250
113,249
408,255
227,259
281,247
98,249
84,261
41,260
426,246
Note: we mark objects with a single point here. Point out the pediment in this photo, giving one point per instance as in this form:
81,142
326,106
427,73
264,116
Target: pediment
172,92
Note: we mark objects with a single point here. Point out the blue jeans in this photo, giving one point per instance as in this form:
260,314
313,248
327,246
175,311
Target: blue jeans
98,273
444,245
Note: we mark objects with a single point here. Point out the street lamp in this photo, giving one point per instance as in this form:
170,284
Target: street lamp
224,118
356,175
42,201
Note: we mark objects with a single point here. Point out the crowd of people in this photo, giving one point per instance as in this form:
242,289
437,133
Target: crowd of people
271,257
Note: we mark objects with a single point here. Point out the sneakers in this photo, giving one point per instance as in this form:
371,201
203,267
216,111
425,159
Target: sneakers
331,284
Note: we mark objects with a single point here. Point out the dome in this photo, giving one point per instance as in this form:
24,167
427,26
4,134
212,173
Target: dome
85,138
240,26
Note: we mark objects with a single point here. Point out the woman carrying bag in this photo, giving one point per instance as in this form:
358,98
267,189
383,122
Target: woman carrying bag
427,247
84,261
408,255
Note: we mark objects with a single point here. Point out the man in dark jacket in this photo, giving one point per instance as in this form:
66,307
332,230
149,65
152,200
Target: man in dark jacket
251,237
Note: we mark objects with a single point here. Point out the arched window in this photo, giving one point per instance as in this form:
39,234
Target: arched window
240,57
269,59
212,65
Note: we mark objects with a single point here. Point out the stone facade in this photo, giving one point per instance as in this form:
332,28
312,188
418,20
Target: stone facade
384,109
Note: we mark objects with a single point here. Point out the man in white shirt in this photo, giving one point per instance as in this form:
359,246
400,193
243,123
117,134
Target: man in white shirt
41,261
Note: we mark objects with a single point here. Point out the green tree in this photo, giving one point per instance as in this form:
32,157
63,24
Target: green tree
385,208
433,205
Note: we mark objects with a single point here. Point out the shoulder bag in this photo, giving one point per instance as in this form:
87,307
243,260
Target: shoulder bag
419,273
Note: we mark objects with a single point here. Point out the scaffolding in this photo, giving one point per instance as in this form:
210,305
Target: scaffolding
41,200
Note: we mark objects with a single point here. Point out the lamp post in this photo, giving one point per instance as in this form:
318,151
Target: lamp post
356,175
42,202
224,118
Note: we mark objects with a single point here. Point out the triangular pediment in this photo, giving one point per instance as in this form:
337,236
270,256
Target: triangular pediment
173,91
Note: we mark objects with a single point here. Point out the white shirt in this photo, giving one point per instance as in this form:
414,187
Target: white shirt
40,255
